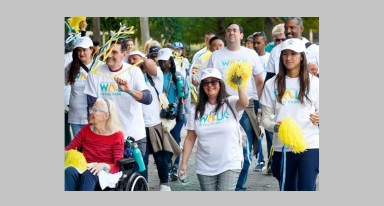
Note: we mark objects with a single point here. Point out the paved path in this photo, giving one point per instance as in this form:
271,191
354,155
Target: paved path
256,181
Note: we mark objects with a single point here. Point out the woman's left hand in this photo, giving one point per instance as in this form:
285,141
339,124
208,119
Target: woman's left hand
95,169
315,118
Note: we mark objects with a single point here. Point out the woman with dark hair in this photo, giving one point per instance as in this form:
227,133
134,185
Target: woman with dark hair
293,93
212,122
76,75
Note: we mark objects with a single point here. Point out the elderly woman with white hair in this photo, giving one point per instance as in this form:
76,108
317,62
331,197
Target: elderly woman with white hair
101,141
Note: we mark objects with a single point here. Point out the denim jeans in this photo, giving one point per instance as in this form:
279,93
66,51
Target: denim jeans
301,170
161,160
246,124
260,155
76,129
74,181
175,132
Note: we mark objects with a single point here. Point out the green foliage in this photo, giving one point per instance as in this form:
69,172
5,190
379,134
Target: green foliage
191,30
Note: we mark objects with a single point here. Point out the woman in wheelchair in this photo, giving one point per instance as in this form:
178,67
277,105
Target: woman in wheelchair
101,142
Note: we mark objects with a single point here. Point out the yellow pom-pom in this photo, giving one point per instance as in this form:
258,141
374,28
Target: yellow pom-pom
290,135
74,22
75,159
238,70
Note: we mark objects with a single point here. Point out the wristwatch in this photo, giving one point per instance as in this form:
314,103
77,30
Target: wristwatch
275,129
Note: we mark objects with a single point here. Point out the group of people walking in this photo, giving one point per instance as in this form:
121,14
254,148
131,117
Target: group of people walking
124,98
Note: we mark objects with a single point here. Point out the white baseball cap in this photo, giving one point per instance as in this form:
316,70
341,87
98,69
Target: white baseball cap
84,42
136,52
210,72
294,44
164,54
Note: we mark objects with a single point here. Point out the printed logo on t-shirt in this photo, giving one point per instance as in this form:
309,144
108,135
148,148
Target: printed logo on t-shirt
216,119
225,63
291,96
81,76
110,89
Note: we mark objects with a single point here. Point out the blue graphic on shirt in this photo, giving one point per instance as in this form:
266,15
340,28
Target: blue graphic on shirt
225,63
110,89
213,119
291,96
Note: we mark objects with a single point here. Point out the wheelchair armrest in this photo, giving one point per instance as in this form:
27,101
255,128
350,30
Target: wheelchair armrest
125,161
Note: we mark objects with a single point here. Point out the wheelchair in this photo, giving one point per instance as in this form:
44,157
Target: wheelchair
130,180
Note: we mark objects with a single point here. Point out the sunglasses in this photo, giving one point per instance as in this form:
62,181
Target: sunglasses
279,40
213,82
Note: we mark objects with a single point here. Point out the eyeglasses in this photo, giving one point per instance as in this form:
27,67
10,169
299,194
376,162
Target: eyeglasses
234,30
213,82
279,40
92,110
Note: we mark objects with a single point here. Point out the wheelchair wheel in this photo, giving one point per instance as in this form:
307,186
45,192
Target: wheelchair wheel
136,182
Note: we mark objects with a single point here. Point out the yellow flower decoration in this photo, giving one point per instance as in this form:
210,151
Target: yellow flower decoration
75,21
290,135
238,74
75,159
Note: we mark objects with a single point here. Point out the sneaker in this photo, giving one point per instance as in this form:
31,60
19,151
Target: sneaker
260,167
173,173
269,170
165,188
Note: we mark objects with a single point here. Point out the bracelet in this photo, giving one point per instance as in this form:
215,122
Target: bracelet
239,84
131,92
275,129
105,167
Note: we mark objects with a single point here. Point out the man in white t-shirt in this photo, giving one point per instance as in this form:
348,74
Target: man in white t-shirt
260,41
293,28
221,59
124,84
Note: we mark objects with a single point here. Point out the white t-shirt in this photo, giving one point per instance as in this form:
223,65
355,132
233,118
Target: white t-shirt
198,53
218,145
129,110
221,59
264,62
292,108
182,65
273,62
78,99
201,63
152,112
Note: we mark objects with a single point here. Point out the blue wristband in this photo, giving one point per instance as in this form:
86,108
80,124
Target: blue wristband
131,92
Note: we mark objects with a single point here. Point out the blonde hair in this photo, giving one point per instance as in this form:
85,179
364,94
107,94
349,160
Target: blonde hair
150,43
278,29
113,122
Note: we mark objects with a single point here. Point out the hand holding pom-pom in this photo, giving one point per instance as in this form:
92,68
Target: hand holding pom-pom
238,74
236,80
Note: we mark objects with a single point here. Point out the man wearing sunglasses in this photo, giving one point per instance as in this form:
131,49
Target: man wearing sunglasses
293,28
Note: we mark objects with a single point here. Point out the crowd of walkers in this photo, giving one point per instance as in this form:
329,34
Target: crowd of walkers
151,95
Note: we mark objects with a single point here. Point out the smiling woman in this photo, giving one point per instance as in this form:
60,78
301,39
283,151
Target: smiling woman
212,123
102,143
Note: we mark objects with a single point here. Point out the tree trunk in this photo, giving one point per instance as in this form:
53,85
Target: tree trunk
144,30
96,29
269,23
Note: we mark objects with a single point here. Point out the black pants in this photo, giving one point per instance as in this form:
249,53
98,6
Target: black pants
66,129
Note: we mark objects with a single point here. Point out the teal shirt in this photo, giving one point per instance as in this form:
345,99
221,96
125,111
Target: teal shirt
269,47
